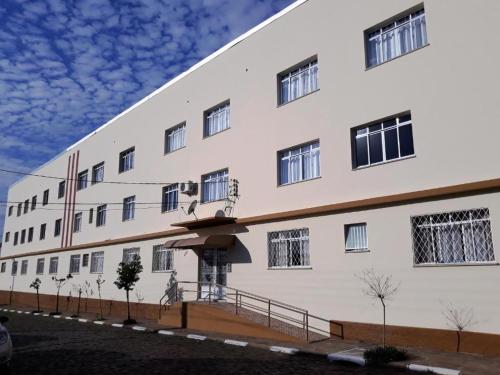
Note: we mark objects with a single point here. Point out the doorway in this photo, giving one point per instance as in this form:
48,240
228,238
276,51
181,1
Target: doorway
213,270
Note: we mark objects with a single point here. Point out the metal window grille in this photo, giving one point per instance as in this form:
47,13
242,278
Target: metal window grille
14,268
97,262
453,237
77,226
356,238
396,38
217,120
170,197
130,254
288,249
82,180
40,265
175,138
300,163
74,264
127,160
215,186
24,267
98,173
101,216
299,82
53,264
163,259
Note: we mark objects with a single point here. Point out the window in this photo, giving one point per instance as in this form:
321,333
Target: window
57,228
24,267
175,138
85,260
215,186
384,141
40,263
288,249
77,224
14,268
98,173
356,238
91,215
97,262
453,237
82,180
7,236
23,236
43,228
396,38
130,254
16,238
61,190
19,209
298,82
128,208
163,259
11,208
54,261
74,263
30,234
217,119
45,200
127,160
101,216
26,206
170,199
33,203
299,164
4,266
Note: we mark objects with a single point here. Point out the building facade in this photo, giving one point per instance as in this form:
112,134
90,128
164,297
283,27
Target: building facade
362,136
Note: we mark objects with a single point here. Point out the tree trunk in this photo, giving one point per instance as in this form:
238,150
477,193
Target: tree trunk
37,300
383,327
128,307
458,341
57,301
79,298
100,303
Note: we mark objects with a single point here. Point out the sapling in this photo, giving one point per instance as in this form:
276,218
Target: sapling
99,283
458,318
88,291
59,284
36,285
128,275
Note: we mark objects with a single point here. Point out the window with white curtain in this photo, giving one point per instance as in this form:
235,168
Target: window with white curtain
356,238
288,248
82,180
170,199
74,263
40,265
77,225
215,186
453,237
128,208
97,262
217,119
299,163
175,138
130,254
98,173
396,38
163,259
101,216
53,265
126,161
298,82
24,267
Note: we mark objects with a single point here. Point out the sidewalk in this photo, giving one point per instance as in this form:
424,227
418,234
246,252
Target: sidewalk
467,364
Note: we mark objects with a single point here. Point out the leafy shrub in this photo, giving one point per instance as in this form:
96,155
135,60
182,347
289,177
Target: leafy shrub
381,355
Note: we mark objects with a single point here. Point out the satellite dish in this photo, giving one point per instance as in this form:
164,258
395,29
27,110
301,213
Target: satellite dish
191,208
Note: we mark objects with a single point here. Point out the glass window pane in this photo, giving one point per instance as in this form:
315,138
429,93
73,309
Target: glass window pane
406,140
361,151
376,154
391,144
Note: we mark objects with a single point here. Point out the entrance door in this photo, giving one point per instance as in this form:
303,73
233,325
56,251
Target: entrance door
213,267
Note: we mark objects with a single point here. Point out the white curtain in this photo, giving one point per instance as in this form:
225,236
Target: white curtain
356,238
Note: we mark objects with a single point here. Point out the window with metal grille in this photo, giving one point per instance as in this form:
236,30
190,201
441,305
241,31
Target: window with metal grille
163,259
299,163
395,38
77,224
14,268
175,138
97,262
128,208
170,198
298,82
74,263
40,263
126,161
43,228
16,238
215,186
453,237
24,267
217,119
61,190
33,203
45,200
101,216
288,248
57,228
82,181
23,236
130,254
98,173
383,141
4,266
7,237
356,238
30,234
53,264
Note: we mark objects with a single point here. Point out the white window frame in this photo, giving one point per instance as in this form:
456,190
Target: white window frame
98,173
97,262
74,264
24,267
40,266
219,190
128,212
130,253
77,224
310,150
53,265
305,78
175,138
83,179
279,248
217,119
361,238
100,219
127,159
162,257
170,198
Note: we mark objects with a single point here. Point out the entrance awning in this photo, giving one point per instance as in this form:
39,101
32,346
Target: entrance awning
212,241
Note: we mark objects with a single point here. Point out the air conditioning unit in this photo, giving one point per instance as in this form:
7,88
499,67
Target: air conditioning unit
189,188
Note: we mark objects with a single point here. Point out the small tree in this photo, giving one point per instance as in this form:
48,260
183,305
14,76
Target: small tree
128,275
99,282
59,284
36,285
78,288
380,287
458,318
88,291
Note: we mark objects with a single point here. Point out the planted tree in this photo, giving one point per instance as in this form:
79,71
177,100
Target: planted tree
36,285
458,318
128,275
88,291
78,289
59,284
99,283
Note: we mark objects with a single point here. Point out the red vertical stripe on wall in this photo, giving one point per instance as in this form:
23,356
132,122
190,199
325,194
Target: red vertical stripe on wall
66,187
72,217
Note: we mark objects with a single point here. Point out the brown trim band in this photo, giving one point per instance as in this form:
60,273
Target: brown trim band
394,199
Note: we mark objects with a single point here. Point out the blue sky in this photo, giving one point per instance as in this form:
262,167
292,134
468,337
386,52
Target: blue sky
68,66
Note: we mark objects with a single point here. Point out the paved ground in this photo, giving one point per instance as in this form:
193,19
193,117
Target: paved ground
44,345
